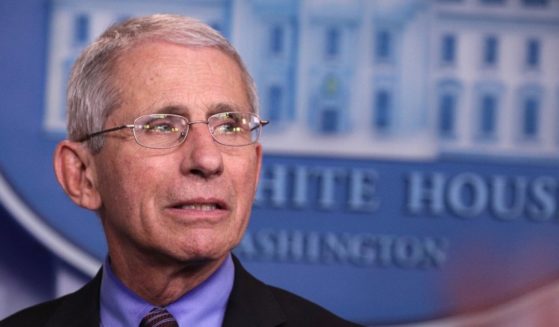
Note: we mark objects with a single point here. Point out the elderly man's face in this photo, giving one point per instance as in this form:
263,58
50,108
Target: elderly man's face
191,202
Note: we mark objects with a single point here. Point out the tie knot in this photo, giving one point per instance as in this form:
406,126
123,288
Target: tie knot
159,317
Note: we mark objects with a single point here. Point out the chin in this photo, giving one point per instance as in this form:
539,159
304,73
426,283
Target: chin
199,247
203,254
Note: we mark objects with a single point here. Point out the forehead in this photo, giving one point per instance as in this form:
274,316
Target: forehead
156,75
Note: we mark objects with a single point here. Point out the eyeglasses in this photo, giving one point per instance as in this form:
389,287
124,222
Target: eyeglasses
162,131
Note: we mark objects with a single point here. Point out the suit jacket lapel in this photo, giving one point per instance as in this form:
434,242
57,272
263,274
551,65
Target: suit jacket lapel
80,309
251,302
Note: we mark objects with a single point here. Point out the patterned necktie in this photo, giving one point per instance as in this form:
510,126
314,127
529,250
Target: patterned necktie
159,317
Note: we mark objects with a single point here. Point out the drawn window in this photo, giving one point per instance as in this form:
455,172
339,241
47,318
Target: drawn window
383,45
277,40
332,42
382,110
448,49
330,120
447,115
488,115
275,102
533,53
490,51
81,29
530,117
448,106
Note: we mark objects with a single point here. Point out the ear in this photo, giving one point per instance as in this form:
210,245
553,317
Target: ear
75,171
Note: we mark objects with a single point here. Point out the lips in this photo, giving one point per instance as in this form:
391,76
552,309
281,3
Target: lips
200,205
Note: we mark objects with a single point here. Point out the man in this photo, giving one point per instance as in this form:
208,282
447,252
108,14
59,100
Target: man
163,145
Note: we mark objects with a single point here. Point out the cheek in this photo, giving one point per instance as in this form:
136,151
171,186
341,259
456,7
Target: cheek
124,185
245,177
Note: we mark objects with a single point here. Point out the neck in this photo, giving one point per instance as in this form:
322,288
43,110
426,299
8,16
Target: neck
159,282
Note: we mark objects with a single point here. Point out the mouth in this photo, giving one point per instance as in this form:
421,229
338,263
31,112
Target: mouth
199,207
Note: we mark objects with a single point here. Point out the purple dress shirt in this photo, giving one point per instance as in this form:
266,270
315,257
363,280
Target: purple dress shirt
204,306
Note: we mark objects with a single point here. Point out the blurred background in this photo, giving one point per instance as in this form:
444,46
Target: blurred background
411,167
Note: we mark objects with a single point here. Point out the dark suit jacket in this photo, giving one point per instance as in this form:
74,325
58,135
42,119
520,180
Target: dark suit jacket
251,303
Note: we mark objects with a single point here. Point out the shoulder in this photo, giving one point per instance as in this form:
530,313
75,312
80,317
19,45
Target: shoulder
253,303
37,315
80,308
305,312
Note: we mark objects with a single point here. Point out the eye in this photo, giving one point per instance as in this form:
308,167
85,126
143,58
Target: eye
226,123
160,126
228,128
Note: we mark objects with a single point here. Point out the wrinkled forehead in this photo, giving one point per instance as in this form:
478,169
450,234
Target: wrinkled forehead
163,77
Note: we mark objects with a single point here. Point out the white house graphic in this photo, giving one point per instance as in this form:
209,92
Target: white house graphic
410,79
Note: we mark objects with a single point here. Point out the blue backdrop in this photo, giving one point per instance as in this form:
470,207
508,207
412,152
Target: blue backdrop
410,169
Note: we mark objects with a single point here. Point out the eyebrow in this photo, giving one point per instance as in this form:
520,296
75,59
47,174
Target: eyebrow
225,107
176,109
179,109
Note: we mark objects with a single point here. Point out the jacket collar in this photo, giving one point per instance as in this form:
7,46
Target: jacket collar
251,302
80,308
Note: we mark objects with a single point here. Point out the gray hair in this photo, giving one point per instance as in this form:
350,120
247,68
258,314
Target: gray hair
91,94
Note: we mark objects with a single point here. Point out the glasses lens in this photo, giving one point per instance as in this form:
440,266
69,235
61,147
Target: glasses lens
160,131
235,128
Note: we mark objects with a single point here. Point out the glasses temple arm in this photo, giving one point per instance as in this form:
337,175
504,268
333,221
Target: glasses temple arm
92,135
262,124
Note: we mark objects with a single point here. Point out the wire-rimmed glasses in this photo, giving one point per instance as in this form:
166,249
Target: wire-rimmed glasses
162,131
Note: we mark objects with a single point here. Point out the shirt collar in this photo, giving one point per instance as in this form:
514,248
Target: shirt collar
203,306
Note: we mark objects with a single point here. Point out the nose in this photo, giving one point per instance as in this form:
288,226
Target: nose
202,156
